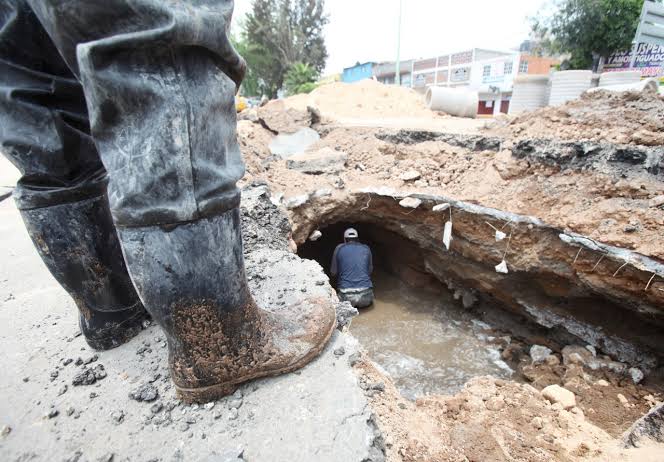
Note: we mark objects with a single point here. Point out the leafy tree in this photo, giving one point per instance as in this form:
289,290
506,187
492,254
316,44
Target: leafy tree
285,32
589,29
252,85
300,78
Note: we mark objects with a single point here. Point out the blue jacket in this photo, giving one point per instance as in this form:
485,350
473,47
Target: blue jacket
353,264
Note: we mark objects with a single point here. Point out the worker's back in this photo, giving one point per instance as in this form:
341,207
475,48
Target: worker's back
353,264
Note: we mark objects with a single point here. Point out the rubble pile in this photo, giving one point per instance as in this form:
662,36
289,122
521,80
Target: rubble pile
499,420
601,116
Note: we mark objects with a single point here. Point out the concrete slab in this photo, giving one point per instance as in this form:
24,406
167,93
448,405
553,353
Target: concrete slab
318,413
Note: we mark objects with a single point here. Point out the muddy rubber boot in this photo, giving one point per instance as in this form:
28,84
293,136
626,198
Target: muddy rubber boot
79,245
192,280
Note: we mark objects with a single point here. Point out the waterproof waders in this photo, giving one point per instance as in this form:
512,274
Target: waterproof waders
159,80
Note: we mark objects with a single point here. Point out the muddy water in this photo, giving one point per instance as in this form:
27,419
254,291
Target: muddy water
426,342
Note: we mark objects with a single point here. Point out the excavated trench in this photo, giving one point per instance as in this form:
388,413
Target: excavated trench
561,288
416,330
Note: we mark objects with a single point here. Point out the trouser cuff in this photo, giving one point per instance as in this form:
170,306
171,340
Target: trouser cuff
172,215
30,194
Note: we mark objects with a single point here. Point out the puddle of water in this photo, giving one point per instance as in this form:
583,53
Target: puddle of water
427,343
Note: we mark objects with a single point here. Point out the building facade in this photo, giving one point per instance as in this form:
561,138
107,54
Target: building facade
386,72
489,72
359,71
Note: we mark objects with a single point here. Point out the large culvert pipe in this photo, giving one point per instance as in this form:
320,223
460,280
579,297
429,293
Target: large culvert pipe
647,85
568,85
530,92
453,101
619,78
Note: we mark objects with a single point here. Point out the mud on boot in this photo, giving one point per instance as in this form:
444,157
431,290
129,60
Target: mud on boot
191,277
79,245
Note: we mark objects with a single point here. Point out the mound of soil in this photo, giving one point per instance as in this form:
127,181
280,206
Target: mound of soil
366,99
497,420
625,118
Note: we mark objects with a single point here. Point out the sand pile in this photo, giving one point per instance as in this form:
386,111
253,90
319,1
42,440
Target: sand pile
365,99
626,118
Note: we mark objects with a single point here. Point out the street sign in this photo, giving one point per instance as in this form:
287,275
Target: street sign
651,26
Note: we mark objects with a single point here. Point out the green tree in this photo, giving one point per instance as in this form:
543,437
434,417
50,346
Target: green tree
300,78
589,29
252,85
283,33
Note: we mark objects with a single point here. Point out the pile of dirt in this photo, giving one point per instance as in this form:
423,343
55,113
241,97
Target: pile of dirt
367,99
490,419
625,118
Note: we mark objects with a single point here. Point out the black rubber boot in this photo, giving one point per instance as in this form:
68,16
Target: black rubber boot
191,278
79,245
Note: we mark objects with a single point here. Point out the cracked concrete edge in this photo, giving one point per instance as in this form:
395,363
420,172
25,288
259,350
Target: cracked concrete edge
638,260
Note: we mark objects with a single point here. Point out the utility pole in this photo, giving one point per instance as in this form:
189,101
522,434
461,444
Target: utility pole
397,78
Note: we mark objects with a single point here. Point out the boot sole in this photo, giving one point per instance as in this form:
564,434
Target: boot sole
215,392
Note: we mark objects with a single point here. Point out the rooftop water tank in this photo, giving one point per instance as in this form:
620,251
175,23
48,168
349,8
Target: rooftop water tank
568,85
529,92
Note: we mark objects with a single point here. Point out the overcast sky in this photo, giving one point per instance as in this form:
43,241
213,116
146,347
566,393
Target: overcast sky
366,30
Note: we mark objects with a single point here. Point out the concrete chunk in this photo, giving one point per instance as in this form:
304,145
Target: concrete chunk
558,394
410,202
325,160
410,175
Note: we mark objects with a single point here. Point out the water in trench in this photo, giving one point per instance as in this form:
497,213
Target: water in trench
424,340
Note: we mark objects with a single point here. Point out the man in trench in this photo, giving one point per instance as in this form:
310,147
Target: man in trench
352,263
120,116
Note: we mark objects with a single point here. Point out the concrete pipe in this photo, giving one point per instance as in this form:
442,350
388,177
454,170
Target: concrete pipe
453,101
648,85
619,78
529,92
568,85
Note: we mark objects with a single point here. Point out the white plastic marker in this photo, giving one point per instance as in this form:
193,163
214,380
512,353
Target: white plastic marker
499,234
441,207
447,232
502,266
447,235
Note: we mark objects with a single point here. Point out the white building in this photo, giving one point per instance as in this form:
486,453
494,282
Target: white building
489,72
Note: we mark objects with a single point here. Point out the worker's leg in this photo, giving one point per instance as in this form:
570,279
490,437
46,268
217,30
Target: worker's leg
61,194
160,78
366,299
359,299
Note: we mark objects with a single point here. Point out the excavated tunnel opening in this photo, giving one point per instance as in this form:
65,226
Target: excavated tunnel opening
444,316
391,252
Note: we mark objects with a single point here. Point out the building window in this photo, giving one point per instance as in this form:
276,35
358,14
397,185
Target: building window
508,68
461,74
486,72
523,67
